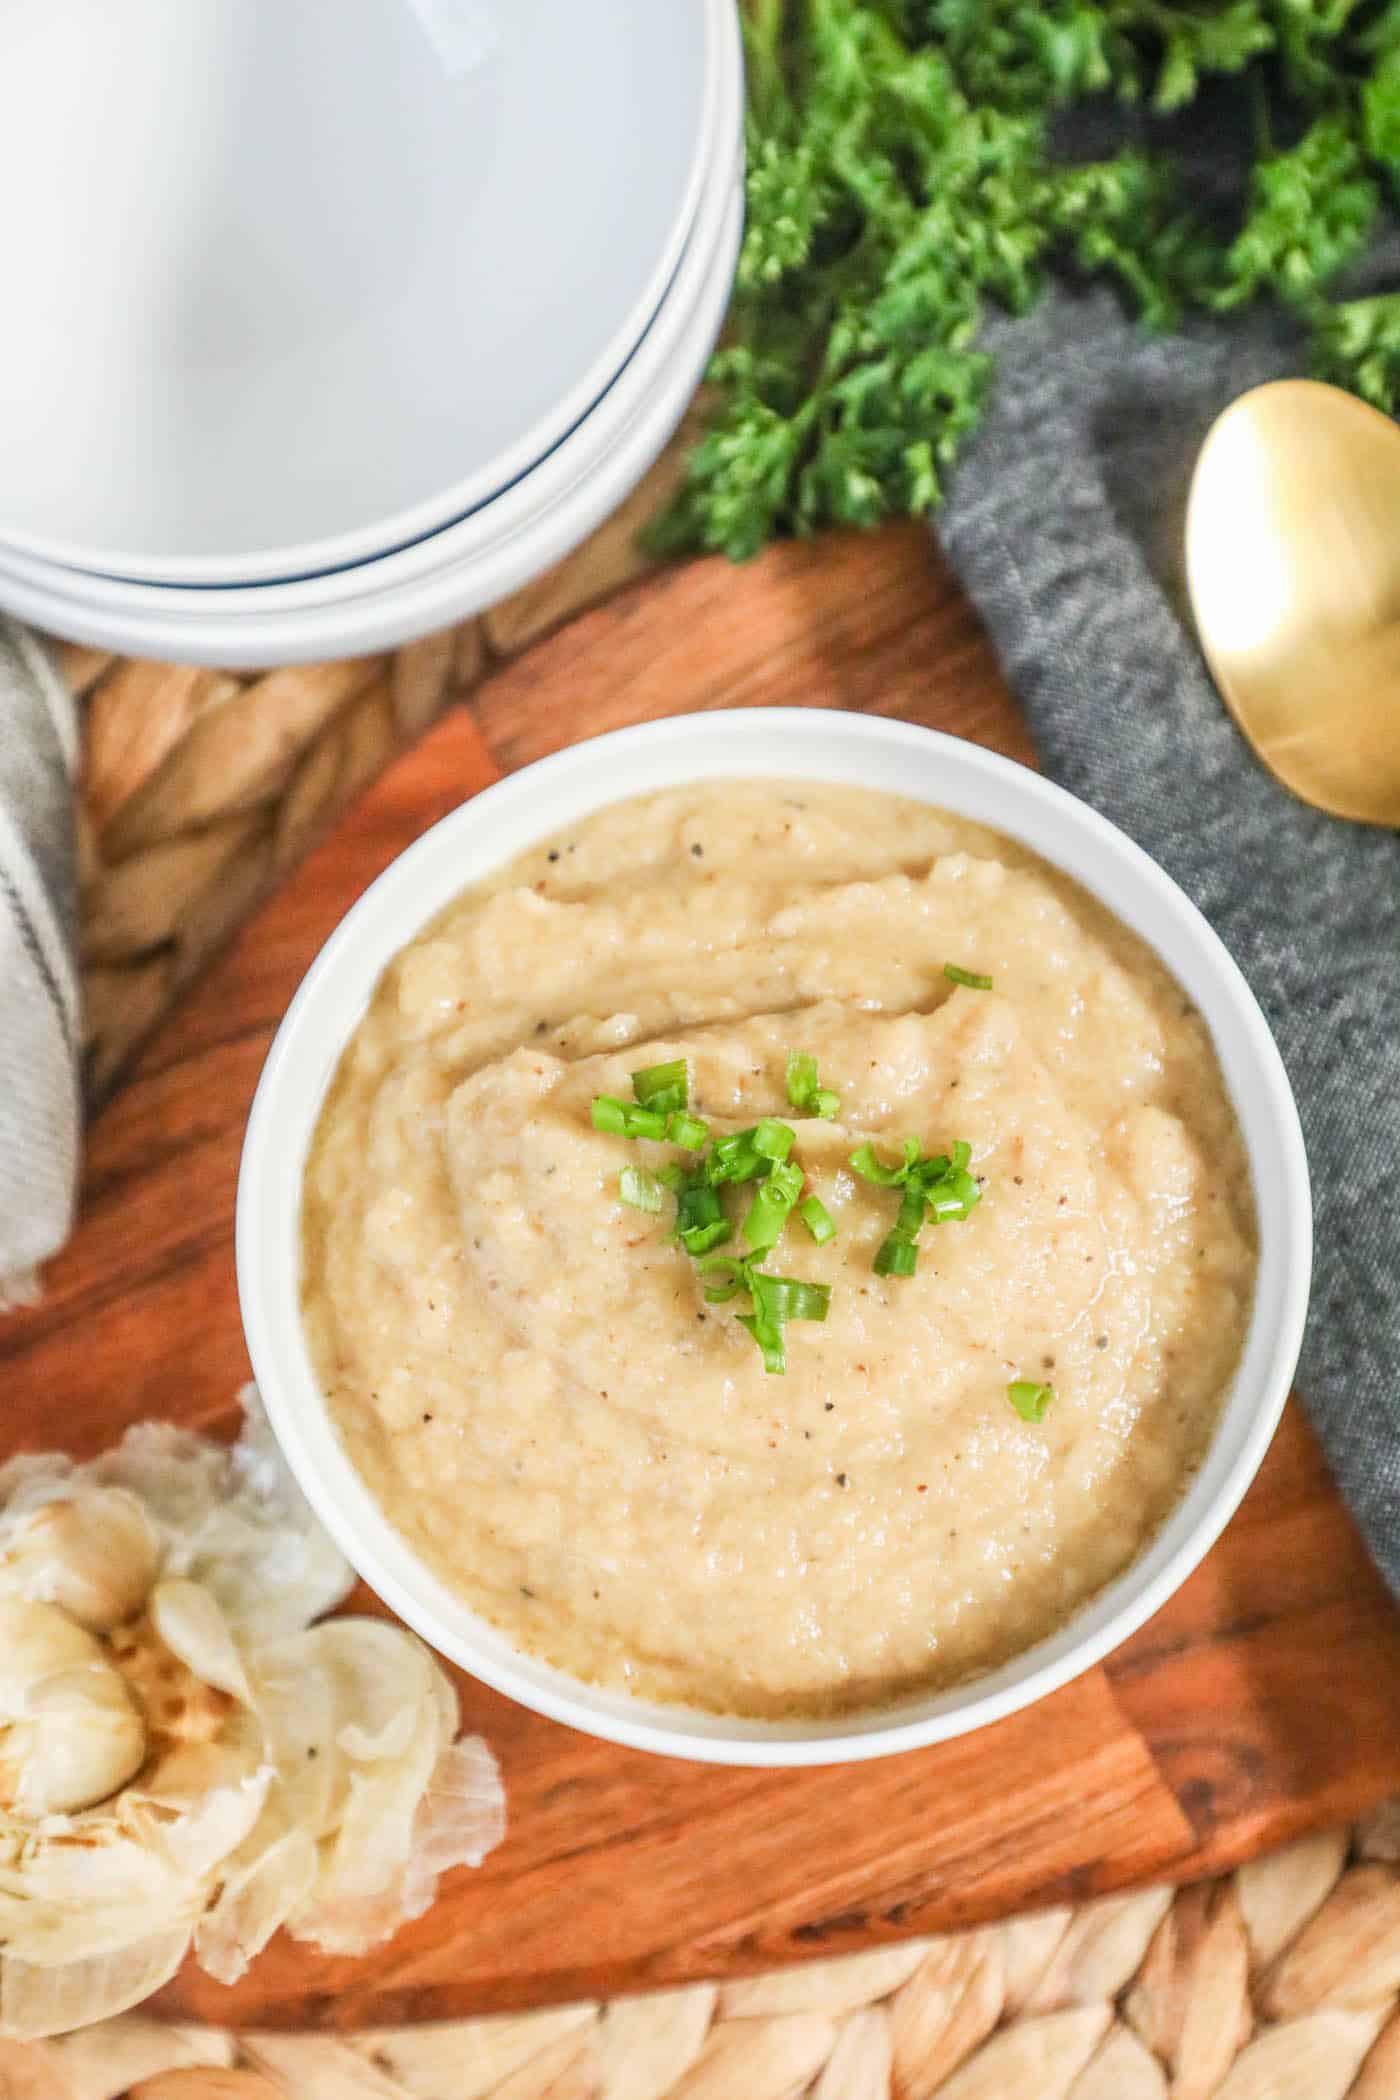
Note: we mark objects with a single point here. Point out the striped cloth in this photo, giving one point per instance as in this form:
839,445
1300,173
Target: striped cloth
40,1035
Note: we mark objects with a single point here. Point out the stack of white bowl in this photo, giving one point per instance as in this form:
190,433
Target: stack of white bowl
330,322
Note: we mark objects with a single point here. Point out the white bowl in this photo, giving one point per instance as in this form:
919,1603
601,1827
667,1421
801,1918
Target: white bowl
597,467
306,281
792,743
474,561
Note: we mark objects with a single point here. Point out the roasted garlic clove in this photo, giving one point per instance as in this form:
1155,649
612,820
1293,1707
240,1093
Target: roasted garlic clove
94,1554
70,1733
80,1741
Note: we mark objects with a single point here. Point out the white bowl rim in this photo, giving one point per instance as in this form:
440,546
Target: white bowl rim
456,499
471,562
791,743
387,617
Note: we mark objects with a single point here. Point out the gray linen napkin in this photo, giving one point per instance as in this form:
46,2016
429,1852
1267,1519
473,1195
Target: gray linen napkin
1065,525
39,1031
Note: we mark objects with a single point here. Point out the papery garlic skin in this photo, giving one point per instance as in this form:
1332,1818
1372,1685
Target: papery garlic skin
70,1732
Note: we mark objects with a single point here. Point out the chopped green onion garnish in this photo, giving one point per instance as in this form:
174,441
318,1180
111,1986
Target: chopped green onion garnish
896,1256
944,1205
622,1119
768,1213
973,979
664,1087
802,1079
817,1219
769,1336
772,1139
804,1088
781,1298
642,1190
940,1185
729,1278
1029,1399
871,1167
696,1204
673,1175
735,1158
687,1131
698,1239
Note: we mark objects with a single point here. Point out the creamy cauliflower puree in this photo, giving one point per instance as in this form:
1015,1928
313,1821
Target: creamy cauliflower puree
526,1372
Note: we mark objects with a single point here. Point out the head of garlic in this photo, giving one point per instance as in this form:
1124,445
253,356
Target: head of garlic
191,1755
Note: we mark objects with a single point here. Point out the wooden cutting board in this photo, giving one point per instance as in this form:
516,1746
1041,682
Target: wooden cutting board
1264,1698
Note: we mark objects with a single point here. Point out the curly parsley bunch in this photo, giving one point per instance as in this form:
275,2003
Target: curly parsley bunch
908,168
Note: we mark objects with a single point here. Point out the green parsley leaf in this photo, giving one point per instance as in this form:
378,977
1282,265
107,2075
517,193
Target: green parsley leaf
916,165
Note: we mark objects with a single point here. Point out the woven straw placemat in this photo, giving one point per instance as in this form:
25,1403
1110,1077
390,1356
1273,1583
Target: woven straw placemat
1278,1982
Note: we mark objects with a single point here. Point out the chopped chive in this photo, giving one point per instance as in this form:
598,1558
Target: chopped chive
897,1256
1029,1399
665,1087
804,1087
769,1336
729,1275
781,1298
622,1119
699,1239
801,1078
687,1131
768,1213
962,1156
696,1205
912,1206
642,1190
871,1167
772,1139
734,1158
817,1219
973,979
673,1176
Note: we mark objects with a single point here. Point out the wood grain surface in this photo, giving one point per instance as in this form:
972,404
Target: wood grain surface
1263,1699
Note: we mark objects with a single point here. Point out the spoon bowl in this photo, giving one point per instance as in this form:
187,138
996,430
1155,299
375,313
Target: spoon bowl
1293,569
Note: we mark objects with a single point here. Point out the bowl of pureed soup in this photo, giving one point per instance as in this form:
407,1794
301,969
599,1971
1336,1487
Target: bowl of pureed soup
774,1237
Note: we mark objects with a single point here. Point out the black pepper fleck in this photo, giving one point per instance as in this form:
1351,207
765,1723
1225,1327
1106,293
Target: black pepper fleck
1100,1341
841,1480
525,1590
427,1418
553,855
699,851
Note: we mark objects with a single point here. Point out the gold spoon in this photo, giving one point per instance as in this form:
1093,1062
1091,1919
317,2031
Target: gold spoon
1293,567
